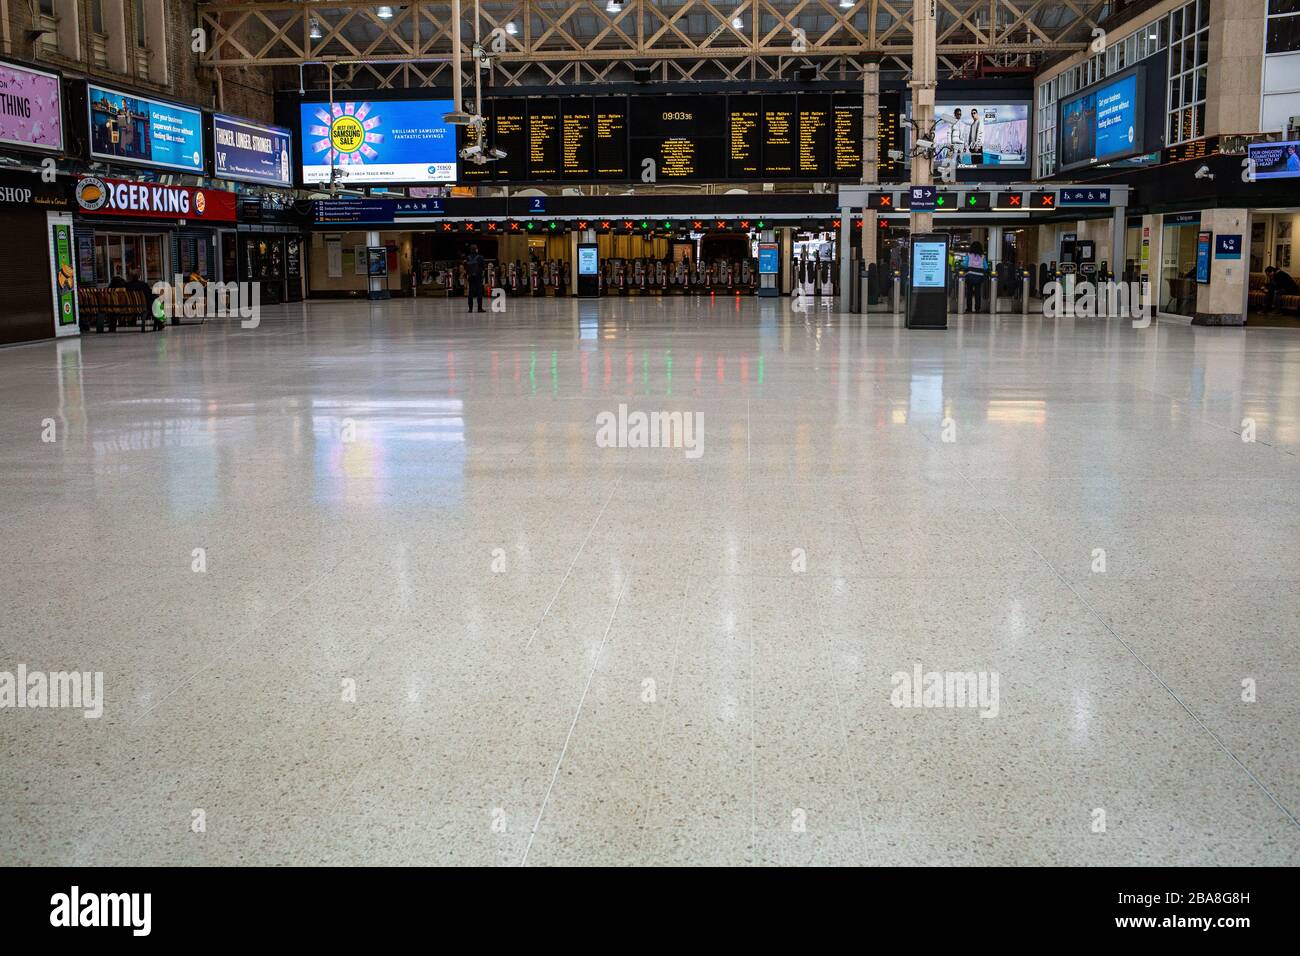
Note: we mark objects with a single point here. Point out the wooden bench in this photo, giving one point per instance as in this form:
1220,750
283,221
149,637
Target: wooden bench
106,309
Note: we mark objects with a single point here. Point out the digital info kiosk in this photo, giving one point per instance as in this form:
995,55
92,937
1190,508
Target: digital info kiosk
927,287
588,271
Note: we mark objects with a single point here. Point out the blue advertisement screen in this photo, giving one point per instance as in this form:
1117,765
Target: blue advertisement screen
251,152
1117,118
1102,124
768,262
139,131
1275,160
379,141
929,265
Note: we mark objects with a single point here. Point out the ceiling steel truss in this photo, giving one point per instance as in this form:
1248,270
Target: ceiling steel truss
576,42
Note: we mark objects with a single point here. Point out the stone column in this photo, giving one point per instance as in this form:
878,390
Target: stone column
1223,300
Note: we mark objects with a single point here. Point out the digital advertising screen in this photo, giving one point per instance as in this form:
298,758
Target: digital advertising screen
251,152
769,259
32,115
378,141
1275,160
588,260
1101,124
140,131
984,134
929,265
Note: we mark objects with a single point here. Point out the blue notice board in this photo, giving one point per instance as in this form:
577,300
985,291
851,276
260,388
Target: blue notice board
1203,246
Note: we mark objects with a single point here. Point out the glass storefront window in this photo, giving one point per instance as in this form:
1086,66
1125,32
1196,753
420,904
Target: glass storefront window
1178,268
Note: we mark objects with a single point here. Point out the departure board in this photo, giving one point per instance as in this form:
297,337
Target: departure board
510,133
846,138
744,137
577,152
544,139
890,137
682,135
610,137
814,135
780,136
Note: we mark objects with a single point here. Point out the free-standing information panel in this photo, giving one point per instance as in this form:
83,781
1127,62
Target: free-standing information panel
927,288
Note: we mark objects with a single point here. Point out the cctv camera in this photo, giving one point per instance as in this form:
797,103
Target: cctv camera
1204,173
924,144
896,154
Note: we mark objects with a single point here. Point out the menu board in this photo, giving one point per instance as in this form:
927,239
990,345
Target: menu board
780,135
744,137
544,143
577,151
846,138
610,137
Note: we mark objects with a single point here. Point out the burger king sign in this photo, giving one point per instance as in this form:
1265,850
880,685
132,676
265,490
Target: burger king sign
121,197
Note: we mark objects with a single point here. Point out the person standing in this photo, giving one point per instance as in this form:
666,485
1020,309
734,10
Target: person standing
474,278
976,272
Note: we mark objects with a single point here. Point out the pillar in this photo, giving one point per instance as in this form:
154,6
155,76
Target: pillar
1223,300
924,76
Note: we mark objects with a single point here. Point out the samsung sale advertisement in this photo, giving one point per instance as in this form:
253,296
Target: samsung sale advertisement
140,131
1102,124
250,152
1275,160
984,134
379,141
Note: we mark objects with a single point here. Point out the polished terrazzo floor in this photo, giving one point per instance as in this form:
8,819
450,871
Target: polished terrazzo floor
436,623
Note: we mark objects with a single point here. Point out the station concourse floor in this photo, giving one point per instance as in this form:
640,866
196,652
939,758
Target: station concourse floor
364,588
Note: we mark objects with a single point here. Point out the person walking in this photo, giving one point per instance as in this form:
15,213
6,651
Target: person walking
474,278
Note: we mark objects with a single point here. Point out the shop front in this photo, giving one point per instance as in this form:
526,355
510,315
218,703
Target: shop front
37,270
267,248
147,231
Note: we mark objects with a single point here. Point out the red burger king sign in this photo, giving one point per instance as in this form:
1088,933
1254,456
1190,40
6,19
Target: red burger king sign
121,197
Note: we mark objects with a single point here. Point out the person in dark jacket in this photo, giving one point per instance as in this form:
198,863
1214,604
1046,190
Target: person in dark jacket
474,277
1278,283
